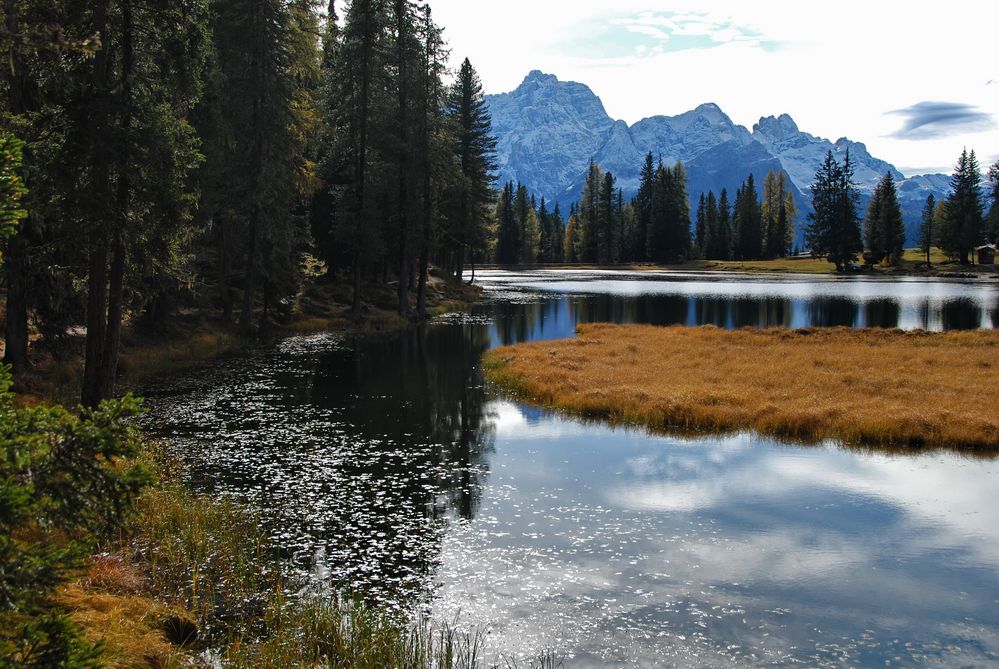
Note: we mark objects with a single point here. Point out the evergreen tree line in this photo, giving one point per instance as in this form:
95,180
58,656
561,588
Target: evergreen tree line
956,224
654,226
525,232
753,229
601,227
196,152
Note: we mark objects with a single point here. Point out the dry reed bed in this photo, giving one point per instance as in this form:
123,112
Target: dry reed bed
875,387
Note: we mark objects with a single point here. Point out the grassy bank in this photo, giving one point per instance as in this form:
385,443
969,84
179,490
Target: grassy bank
882,387
191,574
913,263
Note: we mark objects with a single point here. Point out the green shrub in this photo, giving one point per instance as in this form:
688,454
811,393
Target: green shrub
66,482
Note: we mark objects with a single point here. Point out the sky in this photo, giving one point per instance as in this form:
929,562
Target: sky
915,81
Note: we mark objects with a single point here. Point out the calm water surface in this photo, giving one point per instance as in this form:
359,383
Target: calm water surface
386,466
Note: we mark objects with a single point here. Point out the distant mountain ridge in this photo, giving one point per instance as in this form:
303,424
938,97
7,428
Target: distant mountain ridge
548,131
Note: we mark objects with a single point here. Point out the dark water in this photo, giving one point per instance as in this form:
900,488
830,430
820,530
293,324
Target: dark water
386,466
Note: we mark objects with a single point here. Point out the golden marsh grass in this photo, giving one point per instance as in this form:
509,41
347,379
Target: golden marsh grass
875,387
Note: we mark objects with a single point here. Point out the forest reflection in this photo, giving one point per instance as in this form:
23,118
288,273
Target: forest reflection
556,316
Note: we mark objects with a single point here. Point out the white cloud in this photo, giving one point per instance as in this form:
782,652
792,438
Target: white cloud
648,30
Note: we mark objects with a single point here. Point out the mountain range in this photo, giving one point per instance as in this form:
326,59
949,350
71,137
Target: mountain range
547,132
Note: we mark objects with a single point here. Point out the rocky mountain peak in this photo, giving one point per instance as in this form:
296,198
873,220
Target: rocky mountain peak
776,127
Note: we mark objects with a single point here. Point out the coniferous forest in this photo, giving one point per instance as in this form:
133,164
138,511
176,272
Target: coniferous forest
165,163
198,154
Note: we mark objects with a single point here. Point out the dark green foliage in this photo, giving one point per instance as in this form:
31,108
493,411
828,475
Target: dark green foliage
474,150
508,233
884,230
643,210
721,246
12,188
992,221
748,222
669,221
926,232
64,484
834,230
777,212
701,227
962,230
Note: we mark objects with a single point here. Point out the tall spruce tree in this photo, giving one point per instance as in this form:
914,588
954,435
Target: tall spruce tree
474,149
508,242
926,231
962,228
701,226
588,212
834,230
884,230
777,211
558,235
992,221
723,244
643,209
128,121
359,106
748,222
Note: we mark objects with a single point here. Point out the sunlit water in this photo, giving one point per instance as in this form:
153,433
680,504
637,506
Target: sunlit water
385,466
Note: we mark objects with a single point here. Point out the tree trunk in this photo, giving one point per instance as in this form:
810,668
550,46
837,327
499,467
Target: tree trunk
256,164
97,279
249,285
421,286
96,322
367,55
116,293
402,26
225,293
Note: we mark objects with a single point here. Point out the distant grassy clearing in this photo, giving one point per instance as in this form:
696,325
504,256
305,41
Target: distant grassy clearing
883,387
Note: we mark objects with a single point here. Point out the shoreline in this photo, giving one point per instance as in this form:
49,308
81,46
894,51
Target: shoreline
882,388
200,335
913,265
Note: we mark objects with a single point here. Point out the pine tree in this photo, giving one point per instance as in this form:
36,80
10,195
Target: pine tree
572,246
588,212
723,247
785,220
926,232
884,231
359,105
701,226
834,231
557,235
128,132
474,149
643,210
748,222
777,213
607,220
507,232
992,221
711,231
962,228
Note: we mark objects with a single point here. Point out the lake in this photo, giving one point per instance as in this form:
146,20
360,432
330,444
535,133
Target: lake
386,466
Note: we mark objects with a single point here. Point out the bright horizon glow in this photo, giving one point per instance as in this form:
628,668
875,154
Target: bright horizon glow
881,73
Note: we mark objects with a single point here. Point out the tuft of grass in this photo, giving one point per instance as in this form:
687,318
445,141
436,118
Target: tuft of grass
876,387
197,571
208,556
150,360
